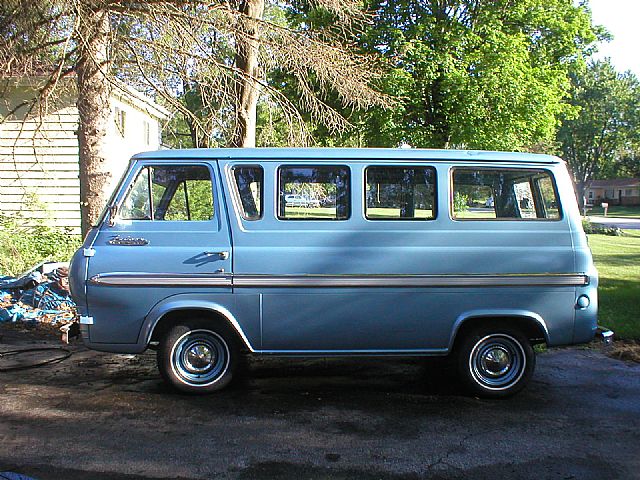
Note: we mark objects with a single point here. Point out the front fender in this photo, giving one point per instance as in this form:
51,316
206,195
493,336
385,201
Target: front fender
231,307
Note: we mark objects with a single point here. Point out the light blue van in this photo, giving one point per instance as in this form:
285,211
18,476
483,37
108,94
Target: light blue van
202,254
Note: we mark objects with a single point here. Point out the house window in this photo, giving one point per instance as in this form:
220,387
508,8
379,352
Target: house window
590,195
628,192
120,118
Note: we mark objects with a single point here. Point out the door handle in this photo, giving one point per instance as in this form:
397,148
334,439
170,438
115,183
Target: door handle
222,255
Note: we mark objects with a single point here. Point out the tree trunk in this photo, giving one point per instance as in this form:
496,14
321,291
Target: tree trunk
247,88
93,110
580,191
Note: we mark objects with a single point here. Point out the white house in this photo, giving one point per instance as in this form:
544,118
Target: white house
39,154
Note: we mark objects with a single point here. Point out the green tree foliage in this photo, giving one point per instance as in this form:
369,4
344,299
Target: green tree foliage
628,164
193,200
473,74
206,60
603,139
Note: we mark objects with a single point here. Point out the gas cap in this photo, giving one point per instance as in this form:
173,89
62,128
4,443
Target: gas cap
583,301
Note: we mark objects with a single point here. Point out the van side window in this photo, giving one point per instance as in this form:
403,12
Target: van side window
503,194
136,205
314,193
172,193
400,193
548,197
248,181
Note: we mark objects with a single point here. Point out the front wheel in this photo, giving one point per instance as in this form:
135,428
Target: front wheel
197,358
495,362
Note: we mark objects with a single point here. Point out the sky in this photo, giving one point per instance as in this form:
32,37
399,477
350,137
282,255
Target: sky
621,18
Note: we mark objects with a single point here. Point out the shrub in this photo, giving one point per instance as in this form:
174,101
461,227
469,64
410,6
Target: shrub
460,202
599,229
23,246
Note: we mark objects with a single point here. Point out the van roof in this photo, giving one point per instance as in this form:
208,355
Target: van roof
277,154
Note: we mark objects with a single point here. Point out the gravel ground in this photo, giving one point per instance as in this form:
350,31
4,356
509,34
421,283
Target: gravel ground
103,416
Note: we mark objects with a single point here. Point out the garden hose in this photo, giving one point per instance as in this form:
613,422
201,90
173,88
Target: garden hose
64,354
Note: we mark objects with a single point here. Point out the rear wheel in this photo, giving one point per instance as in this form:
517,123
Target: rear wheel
197,357
495,361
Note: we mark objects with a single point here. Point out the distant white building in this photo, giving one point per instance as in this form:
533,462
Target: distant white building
39,155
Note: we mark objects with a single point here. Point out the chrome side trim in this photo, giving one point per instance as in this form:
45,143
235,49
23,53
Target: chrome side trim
404,281
359,353
337,281
160,280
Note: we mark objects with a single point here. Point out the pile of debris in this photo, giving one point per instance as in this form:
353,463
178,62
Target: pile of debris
39,295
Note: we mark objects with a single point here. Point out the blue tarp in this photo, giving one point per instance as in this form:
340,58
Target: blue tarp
34,297
14,476
26,281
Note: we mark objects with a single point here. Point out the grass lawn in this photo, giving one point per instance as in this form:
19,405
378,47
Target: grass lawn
618,262
320,213
329,213
394,213
622,211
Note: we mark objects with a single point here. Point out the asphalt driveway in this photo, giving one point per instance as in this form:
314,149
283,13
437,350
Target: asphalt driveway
102,416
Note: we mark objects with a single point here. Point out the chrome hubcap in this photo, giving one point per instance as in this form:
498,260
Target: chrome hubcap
200,357
497,361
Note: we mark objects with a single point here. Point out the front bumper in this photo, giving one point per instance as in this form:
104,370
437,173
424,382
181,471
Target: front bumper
604,335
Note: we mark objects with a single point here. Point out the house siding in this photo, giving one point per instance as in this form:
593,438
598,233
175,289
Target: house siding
39,170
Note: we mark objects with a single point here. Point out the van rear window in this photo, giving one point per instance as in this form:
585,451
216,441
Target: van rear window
514,194
314,193
400,193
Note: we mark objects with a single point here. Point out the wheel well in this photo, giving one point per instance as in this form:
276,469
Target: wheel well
218,321
527,325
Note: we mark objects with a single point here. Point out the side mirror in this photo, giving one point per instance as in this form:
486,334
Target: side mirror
113,212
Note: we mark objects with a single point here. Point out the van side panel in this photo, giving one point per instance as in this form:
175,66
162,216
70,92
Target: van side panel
384,318
399,322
